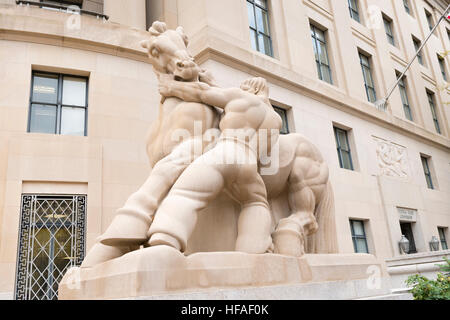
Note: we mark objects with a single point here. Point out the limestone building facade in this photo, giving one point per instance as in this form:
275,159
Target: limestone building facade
77,96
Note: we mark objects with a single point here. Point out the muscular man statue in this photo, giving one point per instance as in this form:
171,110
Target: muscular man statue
232,165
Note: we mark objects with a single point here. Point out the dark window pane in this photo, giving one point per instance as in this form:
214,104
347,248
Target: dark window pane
43,118
45,89
73,121
251,15
74,91
283,114
262,21
253,39
346,160
264,45
361,246
326,74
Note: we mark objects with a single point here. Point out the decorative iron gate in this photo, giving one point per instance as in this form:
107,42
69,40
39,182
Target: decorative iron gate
51,240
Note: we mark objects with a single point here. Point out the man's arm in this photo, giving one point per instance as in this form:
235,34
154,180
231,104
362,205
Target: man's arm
199,92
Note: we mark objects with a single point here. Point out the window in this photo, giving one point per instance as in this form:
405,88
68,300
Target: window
321,54
427,172
368,79
441,232
430,96
429,20
283,114
58,104
343,148
258,17
388,29
51,240
417,44
406,5
354,12
359,236
404,97
442,66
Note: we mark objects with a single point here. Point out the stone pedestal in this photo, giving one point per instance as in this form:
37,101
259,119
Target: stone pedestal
163,272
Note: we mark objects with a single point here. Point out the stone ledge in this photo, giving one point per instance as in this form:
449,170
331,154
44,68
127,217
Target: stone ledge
162,271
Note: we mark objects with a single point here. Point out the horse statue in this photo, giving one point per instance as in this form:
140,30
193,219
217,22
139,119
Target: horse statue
302,175
168,154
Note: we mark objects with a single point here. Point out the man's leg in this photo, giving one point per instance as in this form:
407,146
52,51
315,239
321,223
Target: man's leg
131,223
176,217
129,227
255,219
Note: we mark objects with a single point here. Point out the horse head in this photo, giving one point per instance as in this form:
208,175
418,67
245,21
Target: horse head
167,50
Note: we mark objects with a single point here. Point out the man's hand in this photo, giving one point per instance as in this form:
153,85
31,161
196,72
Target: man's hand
164,85
164,89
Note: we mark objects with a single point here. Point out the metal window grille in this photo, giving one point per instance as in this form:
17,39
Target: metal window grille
404,97
283,114
51,109
368,79
258,15
343,149
321,54
442,238
433,111
353,8
51,240
359,236
427,172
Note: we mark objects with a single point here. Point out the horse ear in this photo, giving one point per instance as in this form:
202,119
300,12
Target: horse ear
157,28
180,31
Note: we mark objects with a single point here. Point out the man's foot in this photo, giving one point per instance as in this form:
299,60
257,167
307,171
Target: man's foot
164,239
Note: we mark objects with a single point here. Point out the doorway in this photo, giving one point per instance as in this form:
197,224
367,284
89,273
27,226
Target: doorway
407,231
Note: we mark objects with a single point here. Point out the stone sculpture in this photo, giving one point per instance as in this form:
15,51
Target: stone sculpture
188,173
391,159
230,149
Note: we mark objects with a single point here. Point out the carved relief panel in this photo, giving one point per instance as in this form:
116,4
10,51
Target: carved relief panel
391,158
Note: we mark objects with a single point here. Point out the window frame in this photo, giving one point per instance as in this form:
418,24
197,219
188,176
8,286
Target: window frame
258,32
389,29
59,105
417,43
406,5
427,171
434,115
367,68
340,149
442,238
355,236
406,105
354,12
430,21
441,62
320,64
284,118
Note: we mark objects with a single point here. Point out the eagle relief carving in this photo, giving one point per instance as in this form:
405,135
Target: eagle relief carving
392,159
